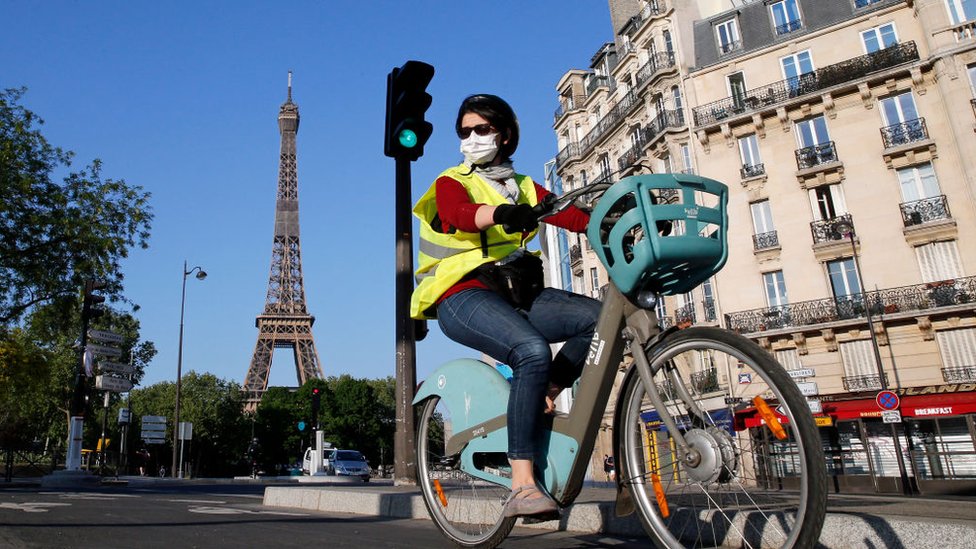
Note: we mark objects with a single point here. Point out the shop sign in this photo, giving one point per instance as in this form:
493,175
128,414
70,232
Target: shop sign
934,411
823,421
938,389
745,379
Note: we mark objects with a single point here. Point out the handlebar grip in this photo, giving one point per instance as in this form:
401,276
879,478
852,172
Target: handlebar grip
545,206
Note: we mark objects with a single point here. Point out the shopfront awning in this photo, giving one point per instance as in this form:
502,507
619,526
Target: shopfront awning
914,406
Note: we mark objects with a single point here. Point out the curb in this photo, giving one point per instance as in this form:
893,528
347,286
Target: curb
842,530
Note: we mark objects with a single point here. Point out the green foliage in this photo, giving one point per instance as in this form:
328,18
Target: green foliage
360,414
54,235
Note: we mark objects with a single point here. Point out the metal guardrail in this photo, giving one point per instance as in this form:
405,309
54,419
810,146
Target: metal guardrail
826,230
815,155
925,210
764,241
914,298
752,170
791,88
904,133
788,27
961,374
864,383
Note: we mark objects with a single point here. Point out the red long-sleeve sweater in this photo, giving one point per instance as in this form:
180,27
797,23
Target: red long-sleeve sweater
455,209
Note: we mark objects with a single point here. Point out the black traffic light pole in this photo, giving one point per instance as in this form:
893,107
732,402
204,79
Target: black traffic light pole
89,311
405,135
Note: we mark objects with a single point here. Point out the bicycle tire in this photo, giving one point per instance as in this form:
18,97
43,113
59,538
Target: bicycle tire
732,496
467,510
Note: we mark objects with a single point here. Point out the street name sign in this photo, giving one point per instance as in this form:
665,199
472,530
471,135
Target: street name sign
808,388
104,350
800,372
115,367
891,416
104,337
112,383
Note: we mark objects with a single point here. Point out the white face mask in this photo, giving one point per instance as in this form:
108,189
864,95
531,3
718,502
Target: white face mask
479,149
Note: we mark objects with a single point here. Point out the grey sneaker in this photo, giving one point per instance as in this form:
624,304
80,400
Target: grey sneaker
525,506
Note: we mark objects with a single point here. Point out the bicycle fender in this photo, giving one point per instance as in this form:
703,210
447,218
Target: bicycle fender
473,391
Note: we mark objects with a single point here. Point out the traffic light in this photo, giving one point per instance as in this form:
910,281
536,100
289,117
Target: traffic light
406,102
316,402
90,309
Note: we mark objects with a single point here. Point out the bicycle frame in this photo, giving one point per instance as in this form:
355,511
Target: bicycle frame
482,393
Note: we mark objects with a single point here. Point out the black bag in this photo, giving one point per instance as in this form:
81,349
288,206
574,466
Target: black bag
519,281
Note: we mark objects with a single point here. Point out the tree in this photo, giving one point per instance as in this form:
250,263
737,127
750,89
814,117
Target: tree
55,235
358,416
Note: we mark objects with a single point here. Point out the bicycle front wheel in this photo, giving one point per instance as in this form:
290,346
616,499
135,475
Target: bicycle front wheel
466,509
753,472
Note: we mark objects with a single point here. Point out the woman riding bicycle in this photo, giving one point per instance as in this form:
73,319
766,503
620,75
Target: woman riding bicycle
486,289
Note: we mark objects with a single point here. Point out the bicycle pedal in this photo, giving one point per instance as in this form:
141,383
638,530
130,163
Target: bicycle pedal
542,517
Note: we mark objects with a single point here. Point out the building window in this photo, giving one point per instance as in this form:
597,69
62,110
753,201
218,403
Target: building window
961,10
972,78
604,166
594,282
686,158
812,132
794,66
775,289
843,278
789,359
668,44
737,88
899,109
749,153
939,261
958,349
762,217
708,300
918,182
565,262
879,38
728,36
786,17
858,359
827,202
676,95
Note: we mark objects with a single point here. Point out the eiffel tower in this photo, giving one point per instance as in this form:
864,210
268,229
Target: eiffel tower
285,322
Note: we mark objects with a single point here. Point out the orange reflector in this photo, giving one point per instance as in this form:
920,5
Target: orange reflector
662,502
769,417
440,492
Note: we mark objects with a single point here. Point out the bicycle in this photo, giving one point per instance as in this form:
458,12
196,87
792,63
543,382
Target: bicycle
714,445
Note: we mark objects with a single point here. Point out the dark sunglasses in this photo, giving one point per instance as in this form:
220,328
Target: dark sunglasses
480,129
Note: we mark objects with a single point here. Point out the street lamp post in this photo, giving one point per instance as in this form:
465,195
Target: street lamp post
201,274
847,230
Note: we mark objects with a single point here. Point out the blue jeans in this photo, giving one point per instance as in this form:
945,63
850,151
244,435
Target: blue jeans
483,320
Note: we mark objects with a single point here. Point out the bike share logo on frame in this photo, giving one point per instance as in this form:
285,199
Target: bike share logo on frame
596,348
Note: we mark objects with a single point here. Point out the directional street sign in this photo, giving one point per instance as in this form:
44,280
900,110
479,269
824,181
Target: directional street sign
105,337
104,350
124,415
115,367
112,383
154,429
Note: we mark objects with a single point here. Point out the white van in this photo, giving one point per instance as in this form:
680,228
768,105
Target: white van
328,460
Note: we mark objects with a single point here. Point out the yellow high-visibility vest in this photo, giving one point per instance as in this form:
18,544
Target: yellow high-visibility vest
443,258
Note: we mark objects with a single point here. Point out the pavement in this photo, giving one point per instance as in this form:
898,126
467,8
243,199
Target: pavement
869,521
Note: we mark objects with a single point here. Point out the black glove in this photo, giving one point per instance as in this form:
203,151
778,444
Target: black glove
517,218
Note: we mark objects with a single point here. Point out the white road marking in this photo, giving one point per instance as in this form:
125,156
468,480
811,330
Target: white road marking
39,507
210,501
235,511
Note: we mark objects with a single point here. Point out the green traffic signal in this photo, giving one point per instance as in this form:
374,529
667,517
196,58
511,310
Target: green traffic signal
408,138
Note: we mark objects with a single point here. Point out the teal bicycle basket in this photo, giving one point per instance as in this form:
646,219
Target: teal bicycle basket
624,232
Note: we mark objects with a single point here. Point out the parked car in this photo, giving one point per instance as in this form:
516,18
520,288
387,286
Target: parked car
351,463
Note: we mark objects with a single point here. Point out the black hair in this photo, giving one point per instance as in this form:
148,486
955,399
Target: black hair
498,113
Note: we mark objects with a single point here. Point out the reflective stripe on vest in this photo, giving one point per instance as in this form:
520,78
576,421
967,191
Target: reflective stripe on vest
443,258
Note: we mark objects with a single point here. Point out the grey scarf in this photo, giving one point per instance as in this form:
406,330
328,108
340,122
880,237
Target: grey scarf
502,179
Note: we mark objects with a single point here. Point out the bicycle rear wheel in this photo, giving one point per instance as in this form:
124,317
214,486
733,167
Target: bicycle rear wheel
755,476
466,509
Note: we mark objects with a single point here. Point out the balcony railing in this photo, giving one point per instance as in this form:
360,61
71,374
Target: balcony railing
705,381
661,122
785,90
925,210
855,384
808,157
631,156
730,47
635,23
904,133
865,3
918,297
826,230
962,374
788,27
708,305
685,313
595,82
658,62
570,103
575,256
752,170
764,241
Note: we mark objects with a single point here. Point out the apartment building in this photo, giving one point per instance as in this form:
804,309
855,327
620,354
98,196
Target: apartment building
844,129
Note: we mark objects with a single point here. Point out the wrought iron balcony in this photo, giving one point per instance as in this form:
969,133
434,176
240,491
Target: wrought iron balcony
925,210
904,133
705,381
685,313
658,62
765,241
855,384
730,47
808,157
596,81
785,90
708,305
788,27
609,122
963,374
575,255
568,104
635,23
904,299
661,122
631,156
865,3
826,230
752,170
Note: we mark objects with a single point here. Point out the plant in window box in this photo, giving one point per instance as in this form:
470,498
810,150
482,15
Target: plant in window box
943,292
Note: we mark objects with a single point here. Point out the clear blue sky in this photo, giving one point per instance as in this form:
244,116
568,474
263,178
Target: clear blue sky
182,99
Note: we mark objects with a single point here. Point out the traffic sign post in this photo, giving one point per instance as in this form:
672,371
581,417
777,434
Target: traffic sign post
112,384
104,337
153,429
